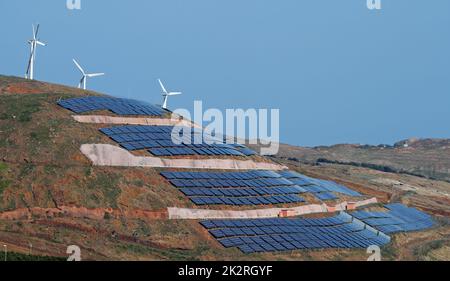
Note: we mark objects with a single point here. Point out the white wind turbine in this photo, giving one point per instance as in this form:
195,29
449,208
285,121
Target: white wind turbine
83,80
33,46
166,94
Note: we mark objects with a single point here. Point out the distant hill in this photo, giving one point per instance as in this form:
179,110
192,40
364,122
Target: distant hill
428,158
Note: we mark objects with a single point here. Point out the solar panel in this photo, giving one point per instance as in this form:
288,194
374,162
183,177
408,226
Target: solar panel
399,218
116,105
325,196
161,141
271,235
257,187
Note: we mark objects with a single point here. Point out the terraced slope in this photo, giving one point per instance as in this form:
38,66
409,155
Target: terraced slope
52,196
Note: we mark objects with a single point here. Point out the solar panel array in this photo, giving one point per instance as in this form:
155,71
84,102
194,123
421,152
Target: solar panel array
282,234
399,219
321,188
115,105
161,141
244,201
236,188
324,196
251,188
362,229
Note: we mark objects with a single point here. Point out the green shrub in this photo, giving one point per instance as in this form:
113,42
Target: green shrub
3,182
23,257
21,108
3,167
422,251
108,185
26,170
3,185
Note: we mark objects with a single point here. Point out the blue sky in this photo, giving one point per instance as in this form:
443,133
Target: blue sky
338,72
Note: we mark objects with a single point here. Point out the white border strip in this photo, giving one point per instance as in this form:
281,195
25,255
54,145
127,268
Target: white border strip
113,156
199,214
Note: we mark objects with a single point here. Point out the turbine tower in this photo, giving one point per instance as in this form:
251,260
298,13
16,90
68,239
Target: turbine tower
33,46
166,94
85,76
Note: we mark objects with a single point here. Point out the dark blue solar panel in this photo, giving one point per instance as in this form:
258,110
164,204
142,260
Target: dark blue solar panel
244,188
290,174
325,196
399,218
115,105
277,234
160,141
320,185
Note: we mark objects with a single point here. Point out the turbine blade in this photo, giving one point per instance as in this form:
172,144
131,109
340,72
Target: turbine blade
175,93
162,86
32,48
79,67
29,65
164,106
95,74
37,31
81,82
31,57
34,32
41,43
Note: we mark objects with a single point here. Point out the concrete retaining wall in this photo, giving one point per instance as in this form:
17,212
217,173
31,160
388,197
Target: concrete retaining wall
110,155
101,119
365,202
183,213
344,206
180,213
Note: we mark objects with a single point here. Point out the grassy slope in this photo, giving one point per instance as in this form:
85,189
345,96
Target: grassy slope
41,166
429,161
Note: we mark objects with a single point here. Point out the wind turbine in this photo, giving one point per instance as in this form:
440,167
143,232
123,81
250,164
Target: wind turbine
83,80
166,94
33,46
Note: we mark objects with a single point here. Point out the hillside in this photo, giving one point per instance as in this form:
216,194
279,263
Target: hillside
428,158
51,195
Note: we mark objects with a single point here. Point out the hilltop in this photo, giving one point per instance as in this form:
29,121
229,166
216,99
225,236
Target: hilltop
429,158
52,196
